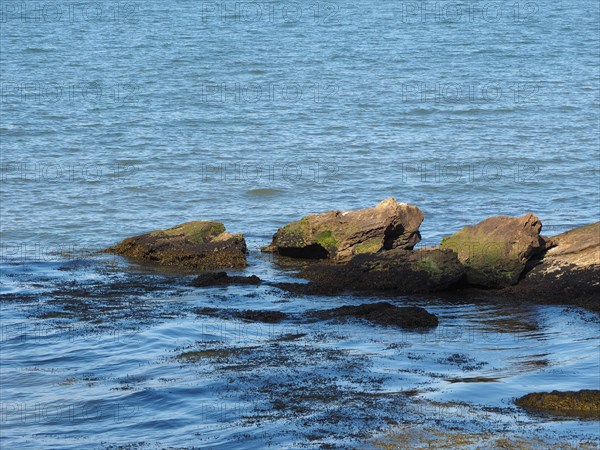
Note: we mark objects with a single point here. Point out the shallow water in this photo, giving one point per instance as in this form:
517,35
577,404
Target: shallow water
97,353
121,118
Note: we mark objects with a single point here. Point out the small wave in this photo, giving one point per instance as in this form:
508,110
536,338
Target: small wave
38,50
263,192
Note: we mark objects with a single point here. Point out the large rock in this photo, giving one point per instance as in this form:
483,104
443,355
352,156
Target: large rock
495,251
568,272
401,271
584,403
338,235
194,245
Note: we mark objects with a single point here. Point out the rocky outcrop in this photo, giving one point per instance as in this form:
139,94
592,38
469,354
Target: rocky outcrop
495,251
584,403
569,270
383,313
401,271
194,245
339,235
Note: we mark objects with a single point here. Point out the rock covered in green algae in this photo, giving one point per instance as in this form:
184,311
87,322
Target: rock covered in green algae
338,235
197,245
495,251
584,403
401,271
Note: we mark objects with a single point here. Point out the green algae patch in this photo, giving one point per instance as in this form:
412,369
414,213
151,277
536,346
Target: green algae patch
584,403
369,246
295,233
429,265
196,231
327,240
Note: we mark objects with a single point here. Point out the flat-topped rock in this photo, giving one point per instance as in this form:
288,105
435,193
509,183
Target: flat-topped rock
339,235
197,245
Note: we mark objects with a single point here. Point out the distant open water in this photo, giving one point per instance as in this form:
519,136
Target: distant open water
119,118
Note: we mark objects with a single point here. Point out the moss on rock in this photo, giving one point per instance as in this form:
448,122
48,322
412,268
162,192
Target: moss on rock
339,235
495,251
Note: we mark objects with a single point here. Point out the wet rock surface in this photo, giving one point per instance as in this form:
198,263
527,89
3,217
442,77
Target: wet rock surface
197,245
383,313
398,270
249,315
338,235
380,313
495,251
223,279
584,403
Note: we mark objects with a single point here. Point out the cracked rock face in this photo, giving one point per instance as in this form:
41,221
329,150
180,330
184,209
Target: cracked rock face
197,245
495,251
339,235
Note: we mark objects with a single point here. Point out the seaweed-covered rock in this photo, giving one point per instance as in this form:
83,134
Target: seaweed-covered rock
495,251
197,245
584,403
339,235
401,271
384,313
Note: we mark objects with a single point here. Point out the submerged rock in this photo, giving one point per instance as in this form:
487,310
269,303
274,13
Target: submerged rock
194,245
569,271
398,270
495,251
584,403
222,279
384,313
266,316
339,235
